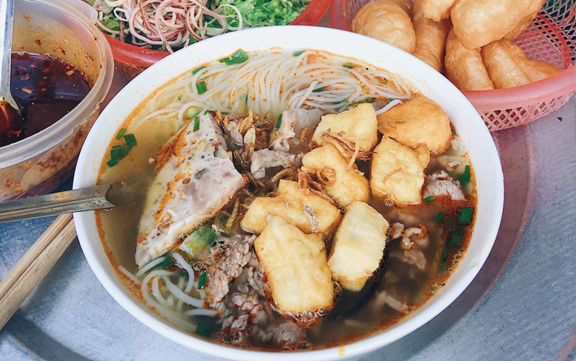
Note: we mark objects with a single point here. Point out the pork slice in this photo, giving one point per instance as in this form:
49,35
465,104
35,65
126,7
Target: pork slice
441,184
196,182
293,121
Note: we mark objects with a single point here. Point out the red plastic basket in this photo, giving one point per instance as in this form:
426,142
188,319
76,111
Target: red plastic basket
132,60
551,37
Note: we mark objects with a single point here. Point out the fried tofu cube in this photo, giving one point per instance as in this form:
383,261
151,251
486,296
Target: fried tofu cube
296,268
358,246
358,125
396,173
418,121
307,211
349,185
423,154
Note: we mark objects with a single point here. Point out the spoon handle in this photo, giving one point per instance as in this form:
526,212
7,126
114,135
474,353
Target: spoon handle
76,200
6,25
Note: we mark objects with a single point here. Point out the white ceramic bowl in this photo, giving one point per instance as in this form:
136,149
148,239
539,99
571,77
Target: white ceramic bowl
475,137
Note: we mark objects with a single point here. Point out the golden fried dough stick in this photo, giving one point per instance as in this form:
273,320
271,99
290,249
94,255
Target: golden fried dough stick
435,9
430,38
480,22
464,67
508,65
387,21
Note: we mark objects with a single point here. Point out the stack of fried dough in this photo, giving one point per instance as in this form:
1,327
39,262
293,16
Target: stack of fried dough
469,40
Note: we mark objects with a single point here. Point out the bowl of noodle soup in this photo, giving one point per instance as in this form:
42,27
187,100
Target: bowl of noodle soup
208,92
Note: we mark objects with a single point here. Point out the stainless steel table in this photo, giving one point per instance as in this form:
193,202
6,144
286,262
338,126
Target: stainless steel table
522,305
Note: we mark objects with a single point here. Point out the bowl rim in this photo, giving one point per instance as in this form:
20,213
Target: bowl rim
47,138
483,156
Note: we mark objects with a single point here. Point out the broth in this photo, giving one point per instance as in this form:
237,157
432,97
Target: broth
400,286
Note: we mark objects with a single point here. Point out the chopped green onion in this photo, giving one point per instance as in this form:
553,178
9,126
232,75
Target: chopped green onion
439,217
340,101
179,97
442,267
318,90
453,131
202,280
191,112
464,178
239,57
168,262
279,122
429,199
196,123
390,100
204,330
455,241
121,133
197,69
130,140
298,53
112,162
163,47
201,87
198,240
344,13
348,65
466,215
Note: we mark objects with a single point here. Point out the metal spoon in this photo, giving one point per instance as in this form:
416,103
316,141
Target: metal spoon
104,196
10,118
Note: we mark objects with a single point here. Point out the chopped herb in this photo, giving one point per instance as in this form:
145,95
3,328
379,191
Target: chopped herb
318,90
390,100
429,199
455,241
179,97
197,69
204,330
439,217
237,58
442,267
120,151
464,178
201,87
348,65
344,13
279,122
466,215
202,280
199,239
196,123
298,53
121,133
340,101
163,47
191,112
453,131
167,263
130,140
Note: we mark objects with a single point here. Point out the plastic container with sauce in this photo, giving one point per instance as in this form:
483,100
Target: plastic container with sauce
64,30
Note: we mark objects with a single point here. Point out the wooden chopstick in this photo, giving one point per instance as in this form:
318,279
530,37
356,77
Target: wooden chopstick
34,265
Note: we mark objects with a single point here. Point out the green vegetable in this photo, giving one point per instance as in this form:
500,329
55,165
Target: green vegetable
367,100
191,112
464,178
453,131
237,58
279,122
167,263
197,69
196,123
204,330
348,65
429,199
318,90
120,151
277,12
121,133
439,217
199,239
201,87
340,101
202,280
466,215
298,53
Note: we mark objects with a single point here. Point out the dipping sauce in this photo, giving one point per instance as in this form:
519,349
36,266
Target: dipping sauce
45,89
